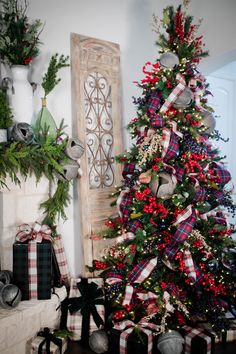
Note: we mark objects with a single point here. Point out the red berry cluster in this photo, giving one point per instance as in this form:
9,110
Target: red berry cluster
142,195
192,164
152,74
157,209
99,264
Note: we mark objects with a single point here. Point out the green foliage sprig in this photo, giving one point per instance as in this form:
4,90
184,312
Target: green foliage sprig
50,79
6,116
19,36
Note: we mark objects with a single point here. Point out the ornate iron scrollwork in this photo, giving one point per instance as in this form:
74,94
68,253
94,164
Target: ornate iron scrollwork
99,131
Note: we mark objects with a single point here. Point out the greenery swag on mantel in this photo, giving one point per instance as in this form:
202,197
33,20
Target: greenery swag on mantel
41,160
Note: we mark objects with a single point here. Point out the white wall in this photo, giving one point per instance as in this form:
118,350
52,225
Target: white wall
127,22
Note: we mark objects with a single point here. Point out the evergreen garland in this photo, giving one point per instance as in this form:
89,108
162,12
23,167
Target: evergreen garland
44,159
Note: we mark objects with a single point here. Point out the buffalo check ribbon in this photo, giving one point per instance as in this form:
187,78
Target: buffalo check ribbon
193,332
36,232
138,274
32,270
189,265
127,328
174,94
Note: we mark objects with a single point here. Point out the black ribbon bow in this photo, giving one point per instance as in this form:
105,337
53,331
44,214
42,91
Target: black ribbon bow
91,295
48,338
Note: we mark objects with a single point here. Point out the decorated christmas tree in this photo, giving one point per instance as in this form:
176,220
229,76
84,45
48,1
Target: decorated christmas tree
170,262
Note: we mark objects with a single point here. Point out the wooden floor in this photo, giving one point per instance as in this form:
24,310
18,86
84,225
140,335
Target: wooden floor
76,348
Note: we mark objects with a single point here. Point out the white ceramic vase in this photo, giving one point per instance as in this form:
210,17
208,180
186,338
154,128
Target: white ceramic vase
21,94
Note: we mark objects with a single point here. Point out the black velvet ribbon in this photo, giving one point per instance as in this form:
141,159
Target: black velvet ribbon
91,295
48,338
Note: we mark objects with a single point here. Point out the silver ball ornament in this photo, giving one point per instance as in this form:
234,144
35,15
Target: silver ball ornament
184,100
208,122
10,296
98,341
22,132
169,60
74,149
170,343
70,171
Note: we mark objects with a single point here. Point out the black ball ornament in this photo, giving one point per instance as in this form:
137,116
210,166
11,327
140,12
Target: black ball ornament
98,341
169,60
74,149
10,296
184,100
6,276
22,132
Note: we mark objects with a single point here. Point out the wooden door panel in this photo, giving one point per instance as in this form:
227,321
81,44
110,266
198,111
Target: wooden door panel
96,108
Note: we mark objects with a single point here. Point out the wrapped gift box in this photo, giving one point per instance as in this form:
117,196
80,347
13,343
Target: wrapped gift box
54,349
32,269
137,343
74,320
198,340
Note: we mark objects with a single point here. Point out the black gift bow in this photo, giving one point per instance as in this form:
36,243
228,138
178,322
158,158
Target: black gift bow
48,337
91,295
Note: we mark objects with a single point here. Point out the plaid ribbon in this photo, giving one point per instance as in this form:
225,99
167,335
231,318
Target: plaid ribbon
123,202
189,265
193,332
133,225
154,102
223,175
170,144
156,121
138,274
61,259
125,236
148,297
185,222
32,270
128,169
142,270
37,232
127,328
174,94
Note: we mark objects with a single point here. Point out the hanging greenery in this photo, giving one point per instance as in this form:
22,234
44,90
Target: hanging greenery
41,159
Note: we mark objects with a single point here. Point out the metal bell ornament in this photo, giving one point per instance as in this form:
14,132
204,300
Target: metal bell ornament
10,296
169,60
98,341
22,132
170,343
74,149
164,186
184,100
70,171
6,276
208,123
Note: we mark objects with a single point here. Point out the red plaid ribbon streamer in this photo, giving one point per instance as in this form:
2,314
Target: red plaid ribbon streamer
185,222
222,174
174,94
61,259
154,102
148,297
32,270
127,328
37,232
189,265
142,270
193,332
156,121
123,202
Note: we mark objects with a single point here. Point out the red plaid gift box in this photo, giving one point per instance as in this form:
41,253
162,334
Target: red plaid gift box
192,334
61,260
74,321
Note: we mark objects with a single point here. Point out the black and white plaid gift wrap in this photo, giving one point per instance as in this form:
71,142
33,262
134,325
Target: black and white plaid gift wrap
60,254
198,340
54,349
33,275
74,321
